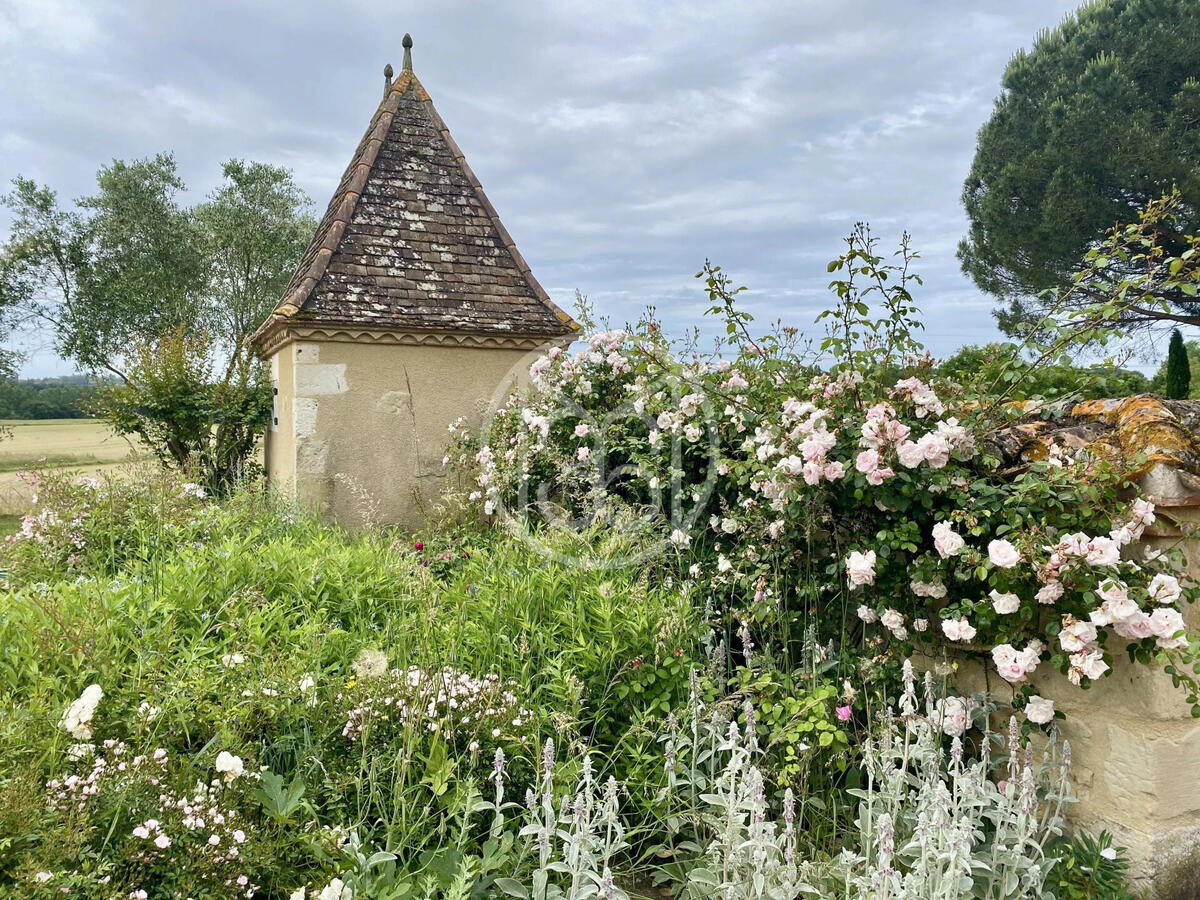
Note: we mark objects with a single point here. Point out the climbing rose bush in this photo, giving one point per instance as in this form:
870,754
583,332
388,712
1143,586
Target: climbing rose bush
868,506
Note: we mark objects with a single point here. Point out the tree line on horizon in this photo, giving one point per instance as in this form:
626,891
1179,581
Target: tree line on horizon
1084,188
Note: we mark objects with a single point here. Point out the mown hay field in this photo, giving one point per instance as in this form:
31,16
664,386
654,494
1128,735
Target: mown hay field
85,445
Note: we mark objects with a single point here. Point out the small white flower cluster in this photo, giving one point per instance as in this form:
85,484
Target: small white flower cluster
446,701
194,491
112,764
205,825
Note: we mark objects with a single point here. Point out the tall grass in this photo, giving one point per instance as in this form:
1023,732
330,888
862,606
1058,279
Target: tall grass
165,593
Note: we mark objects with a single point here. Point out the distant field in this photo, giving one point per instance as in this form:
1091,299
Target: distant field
84,445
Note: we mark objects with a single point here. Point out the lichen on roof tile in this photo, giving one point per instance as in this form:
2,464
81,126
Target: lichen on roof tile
409,240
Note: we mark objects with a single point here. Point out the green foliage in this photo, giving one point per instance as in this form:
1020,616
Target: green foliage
1098,117
145,268
203,622
203,424
45,398
1090,868
1131,278
254,227
871,347
983,367
131,268
1179,373
1158,383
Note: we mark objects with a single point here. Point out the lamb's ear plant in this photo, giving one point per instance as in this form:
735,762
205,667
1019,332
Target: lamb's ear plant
932,824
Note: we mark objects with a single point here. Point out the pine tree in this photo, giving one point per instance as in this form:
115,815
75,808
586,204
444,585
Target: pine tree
1097,118
1179,374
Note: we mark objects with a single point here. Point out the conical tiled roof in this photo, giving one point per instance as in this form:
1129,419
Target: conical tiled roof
410,241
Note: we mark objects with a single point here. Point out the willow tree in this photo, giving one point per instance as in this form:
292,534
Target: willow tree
134,283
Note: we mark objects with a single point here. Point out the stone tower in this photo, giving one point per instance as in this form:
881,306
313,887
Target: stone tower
411,308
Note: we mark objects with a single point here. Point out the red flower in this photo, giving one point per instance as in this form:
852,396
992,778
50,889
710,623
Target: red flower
419,546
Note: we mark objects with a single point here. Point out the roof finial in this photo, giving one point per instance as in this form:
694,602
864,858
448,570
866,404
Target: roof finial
387,79
407,45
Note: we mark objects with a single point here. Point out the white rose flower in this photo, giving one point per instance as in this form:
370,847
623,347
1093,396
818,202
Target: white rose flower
1005,604
1086,664
1003,554
860,568
935,589
77,718
1164,588
1076,635
946,540
1048,593
910,454
953,715
230,766
958,629
1039,710
1102,551
1164,623
893,621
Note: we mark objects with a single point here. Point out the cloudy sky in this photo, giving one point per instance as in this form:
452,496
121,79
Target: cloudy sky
622,142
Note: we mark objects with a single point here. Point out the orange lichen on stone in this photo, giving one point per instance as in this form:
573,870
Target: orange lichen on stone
1142,434
1092,410
1146,427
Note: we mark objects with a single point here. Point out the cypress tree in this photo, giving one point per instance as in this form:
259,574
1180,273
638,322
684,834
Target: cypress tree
1179,373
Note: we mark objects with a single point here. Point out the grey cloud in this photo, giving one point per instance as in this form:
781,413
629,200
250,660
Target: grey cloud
622,142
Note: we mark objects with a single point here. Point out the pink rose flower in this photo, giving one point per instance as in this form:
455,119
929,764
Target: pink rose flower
860,568
958,629
910,454
867,461
1005,604
1003,554
946,540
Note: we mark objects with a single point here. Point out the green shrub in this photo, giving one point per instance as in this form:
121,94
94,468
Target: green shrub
1090,868
237,628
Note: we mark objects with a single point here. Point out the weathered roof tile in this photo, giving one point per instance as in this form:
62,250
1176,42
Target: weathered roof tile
411,242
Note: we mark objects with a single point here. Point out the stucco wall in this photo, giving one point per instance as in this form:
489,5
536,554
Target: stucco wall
279,446
367,423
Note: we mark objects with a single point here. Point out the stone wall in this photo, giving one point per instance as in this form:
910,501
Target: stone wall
1135,746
